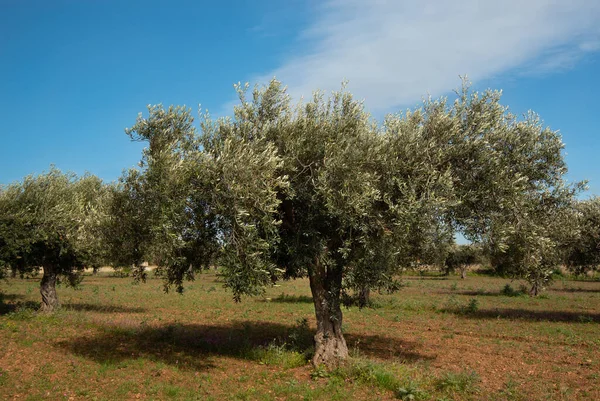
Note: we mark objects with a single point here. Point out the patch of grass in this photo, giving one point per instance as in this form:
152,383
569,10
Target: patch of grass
368,372
292,299
292,351
3,377
454,305
585,319
300,337
20,310
510,392
379,375
123,389
277,355
171,391
458,382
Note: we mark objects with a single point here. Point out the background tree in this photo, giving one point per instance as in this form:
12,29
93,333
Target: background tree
584,254
513,195
127,228
52,221
318,190
460,257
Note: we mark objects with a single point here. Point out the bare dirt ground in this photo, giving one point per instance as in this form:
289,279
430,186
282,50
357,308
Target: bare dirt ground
440,338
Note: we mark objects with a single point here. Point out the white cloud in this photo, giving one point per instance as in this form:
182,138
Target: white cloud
394,52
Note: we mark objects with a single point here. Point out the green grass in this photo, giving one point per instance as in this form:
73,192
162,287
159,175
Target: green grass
458,383
277,355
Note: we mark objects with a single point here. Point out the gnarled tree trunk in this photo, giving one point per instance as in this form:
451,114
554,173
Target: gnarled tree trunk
330,345
48,290
463,272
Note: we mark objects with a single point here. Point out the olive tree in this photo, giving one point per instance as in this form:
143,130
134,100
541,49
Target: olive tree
460,257
317,190
52,221
513,195
126,230
584,253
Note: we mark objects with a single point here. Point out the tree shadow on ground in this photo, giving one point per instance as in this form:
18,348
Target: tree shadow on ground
10,297
11,307
585,280
593,290
105,308
515,293
418,278
192,346
482,293
292,299
533,315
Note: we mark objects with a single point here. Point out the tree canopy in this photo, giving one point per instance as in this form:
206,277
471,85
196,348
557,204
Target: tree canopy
584,253
52,221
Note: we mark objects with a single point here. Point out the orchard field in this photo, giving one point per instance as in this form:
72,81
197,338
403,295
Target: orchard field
306,209
438,338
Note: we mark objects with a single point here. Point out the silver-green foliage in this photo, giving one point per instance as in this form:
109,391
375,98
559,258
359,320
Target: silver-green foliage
198,197
280,185
52,220
584,253
510,184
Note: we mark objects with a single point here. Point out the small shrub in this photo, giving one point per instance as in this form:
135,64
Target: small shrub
472,306
511,391
523,289
171,391
510,292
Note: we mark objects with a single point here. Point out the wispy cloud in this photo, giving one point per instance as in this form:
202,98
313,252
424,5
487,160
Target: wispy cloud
393,52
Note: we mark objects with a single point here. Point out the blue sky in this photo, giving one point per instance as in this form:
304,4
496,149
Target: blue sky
75,73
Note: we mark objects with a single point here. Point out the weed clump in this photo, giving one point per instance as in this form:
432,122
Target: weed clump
291,352
374,374
458,382
277,355
453,305
508,291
